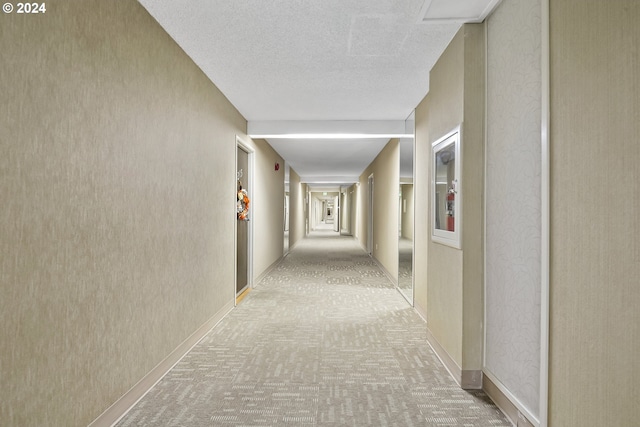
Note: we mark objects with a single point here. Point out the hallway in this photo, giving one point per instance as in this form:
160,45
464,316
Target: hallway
324,339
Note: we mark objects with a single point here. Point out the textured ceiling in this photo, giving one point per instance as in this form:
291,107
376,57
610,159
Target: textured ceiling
313,156
318,60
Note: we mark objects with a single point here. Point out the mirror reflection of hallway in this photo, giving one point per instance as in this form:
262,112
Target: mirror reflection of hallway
405,240
242,263
406,212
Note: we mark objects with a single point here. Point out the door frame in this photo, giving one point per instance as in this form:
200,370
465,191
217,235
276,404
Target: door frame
370,227
248,185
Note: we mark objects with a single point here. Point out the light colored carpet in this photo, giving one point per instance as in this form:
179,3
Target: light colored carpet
324,339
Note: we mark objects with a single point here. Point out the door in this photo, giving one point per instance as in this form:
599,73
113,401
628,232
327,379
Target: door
242,238
370,217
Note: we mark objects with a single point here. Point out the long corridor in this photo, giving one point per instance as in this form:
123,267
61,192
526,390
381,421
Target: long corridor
324,339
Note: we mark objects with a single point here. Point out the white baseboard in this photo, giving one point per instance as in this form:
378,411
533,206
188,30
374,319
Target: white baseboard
115,412
268,270
445,358
364,249
467,379
512,408
294,246
392,279
421,311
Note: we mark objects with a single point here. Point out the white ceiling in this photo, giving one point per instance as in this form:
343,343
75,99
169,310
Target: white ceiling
319,62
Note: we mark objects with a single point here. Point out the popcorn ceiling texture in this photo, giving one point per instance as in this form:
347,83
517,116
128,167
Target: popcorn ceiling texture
114,243
351,58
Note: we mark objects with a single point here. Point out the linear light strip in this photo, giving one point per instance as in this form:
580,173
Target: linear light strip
332,136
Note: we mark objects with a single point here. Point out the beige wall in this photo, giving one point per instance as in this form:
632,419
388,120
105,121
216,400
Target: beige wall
116,232
354,209
362,209
422,187
472,148
386,176
297,209
452,294
595,262
267,210
444,111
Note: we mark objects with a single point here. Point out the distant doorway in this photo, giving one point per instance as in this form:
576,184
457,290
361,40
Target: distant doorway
286,223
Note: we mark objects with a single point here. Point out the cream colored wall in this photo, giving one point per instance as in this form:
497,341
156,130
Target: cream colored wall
437,114
345,211
472,149
267,210
595,262
452,290
386,172
354,209
422,188
386,176
297,212
116,232
363,210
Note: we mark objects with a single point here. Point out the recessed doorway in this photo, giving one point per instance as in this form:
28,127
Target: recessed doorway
244,208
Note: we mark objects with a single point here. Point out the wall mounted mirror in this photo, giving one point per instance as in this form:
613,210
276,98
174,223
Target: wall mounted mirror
446,199
405,214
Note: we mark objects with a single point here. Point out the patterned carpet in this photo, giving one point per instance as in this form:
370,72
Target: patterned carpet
324,339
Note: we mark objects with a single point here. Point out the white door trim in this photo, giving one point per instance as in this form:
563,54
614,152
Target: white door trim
248,185
545,194
370,227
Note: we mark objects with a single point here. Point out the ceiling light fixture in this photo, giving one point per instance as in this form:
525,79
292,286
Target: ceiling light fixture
331,136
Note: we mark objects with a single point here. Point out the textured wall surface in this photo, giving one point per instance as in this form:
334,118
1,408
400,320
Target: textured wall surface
386,177
297,211
268,207
421,185
445,111
450,285
595,201
353,209
472,153
116,241
513,203
362,199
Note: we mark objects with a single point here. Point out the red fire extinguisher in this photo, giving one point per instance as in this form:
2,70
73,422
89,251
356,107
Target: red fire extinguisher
450,210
